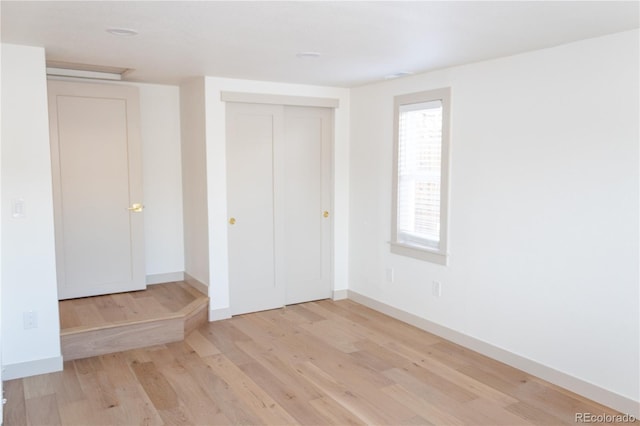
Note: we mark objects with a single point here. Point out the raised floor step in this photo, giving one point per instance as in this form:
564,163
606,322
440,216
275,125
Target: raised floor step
100,325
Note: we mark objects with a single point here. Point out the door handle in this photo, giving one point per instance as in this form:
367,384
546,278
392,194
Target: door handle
136,208
232,221
325,214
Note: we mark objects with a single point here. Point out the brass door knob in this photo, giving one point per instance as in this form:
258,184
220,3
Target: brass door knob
232,221
136,208
325,214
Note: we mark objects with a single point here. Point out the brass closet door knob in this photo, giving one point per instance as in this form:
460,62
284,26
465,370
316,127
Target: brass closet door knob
136,208
232,221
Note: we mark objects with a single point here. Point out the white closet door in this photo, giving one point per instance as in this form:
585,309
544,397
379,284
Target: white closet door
278,198
252,132
97,187
306,251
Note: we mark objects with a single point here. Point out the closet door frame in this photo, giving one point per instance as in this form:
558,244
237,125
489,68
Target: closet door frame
278,179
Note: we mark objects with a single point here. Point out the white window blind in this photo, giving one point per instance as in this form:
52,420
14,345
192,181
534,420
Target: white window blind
419,173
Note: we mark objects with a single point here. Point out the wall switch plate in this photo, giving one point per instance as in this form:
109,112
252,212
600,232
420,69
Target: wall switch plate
18,210
436,289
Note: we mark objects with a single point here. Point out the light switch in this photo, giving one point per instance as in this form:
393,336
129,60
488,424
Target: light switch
18,210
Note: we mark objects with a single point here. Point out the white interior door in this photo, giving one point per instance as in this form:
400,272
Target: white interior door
96,163
278,200
307,232
252,132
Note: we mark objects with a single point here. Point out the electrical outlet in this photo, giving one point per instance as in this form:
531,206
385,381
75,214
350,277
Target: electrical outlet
389,275
436,288
30,319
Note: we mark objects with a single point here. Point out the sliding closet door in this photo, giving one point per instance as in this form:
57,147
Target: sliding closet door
306,254
253,131
278,195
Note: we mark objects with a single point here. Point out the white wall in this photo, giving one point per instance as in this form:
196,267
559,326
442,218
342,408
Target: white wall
162,179
26,167
217,178
1,216
28,251
544,209
194,179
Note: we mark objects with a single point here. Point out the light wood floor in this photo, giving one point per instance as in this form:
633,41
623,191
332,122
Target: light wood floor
156,301
316,363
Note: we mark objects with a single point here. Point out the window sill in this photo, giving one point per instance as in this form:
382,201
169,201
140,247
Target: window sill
421,253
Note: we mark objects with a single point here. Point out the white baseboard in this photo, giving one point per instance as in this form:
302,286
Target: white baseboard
588,390
31,368
165,278
340,294
197,284
219,314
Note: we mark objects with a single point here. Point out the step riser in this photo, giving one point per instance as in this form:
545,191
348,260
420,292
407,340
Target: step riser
92,342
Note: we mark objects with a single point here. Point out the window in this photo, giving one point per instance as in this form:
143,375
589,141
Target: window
421,157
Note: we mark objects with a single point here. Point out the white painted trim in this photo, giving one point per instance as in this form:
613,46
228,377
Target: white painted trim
341,294
262,98
83,74
588,390
168,277
219,314
197,284
31,368
402,248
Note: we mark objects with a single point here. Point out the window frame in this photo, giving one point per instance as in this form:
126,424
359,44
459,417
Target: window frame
440,254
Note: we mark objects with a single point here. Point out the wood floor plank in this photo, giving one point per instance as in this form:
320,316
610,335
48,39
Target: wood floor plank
216,388
432,412
134,404
294,402
224,336
426,391
334,413
68,316
305,313
110,310
40,385
318,363
88,314
362,406
202,409
171,297
201,345
43,411
261,403
160,392
340,338
80,413
535,415
128,305
15,411
282,370
493,414
66,384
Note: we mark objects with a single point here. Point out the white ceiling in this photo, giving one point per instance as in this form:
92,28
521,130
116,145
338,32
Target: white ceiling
360,42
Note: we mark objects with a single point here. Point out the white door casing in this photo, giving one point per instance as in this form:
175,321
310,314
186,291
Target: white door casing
278,190
97,180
